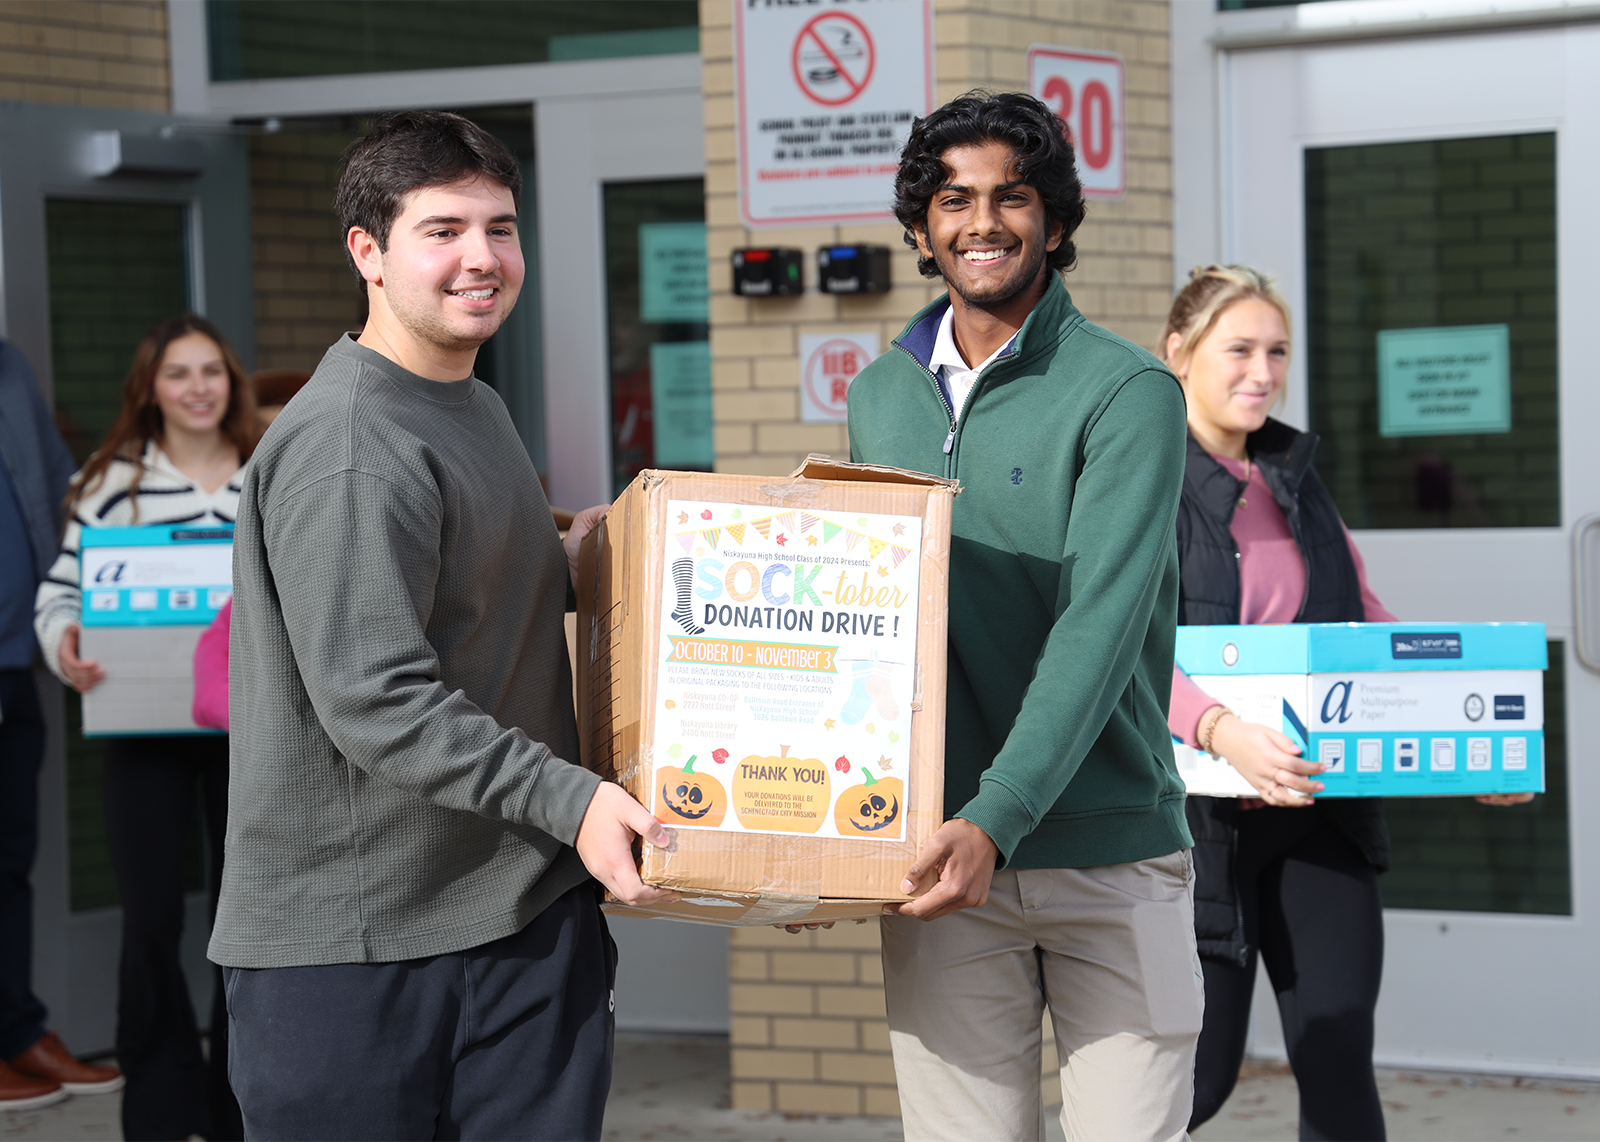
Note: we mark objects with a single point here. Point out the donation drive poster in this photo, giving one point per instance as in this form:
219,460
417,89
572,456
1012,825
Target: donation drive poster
785,669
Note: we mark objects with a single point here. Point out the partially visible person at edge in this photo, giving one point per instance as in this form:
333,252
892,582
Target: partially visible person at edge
36,1069
1062,875
410,917
1260,541
186,427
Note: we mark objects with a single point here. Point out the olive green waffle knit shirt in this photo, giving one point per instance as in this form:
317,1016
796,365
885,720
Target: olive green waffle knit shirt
402,779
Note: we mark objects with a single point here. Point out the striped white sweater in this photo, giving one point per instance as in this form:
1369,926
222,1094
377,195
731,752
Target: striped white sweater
165,495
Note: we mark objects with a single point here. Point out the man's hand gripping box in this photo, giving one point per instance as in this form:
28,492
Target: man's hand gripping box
1390,709
761,662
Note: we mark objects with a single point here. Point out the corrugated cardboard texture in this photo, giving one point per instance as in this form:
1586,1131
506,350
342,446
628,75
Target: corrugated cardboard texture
619,624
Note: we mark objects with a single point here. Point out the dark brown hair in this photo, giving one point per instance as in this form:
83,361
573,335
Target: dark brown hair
407,152
140,419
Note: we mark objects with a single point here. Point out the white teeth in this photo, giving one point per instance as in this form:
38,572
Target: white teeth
474,294
983,255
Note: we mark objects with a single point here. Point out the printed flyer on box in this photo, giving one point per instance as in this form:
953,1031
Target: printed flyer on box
788,641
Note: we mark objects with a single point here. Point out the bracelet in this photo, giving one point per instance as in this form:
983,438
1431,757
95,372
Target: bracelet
1204,737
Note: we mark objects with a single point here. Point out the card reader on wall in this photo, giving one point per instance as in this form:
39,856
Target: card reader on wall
767,272
853,269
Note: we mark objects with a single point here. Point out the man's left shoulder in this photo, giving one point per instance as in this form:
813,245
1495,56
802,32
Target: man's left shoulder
1091,346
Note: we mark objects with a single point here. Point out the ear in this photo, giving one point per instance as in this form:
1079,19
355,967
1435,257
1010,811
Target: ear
1179,368
919,231
1058,231
364,250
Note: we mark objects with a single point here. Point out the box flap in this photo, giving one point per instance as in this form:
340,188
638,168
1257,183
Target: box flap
819,467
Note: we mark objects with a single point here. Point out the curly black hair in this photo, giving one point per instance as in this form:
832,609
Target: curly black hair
1045,161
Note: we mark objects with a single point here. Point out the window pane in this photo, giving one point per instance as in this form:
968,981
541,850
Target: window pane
1431,341
658,334
272,39
1455,855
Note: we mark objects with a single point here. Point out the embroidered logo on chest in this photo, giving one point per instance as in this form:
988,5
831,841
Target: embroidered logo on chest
1016,475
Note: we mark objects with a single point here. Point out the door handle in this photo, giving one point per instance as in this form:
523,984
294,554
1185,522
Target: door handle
1586,590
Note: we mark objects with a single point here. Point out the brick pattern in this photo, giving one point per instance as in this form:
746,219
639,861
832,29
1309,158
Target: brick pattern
808,1031
306,295
1124,275
88,53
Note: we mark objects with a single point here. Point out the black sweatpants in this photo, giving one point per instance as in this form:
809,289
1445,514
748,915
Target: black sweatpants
508,1040
1310,902
150,789
21,752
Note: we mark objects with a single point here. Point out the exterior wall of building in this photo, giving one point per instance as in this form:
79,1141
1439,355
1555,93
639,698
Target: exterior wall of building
89,53
807,1024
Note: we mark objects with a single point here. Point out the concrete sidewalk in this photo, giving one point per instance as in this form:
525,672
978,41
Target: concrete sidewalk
676,1087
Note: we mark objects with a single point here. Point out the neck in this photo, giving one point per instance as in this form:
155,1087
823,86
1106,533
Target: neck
1217,440
981,329
384,334
195,453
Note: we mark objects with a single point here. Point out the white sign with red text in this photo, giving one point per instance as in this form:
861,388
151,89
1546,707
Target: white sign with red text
826,94
1087,90
828,363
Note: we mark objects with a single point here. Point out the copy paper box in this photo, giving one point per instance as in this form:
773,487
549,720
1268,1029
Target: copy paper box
148,595
761,662
1390,709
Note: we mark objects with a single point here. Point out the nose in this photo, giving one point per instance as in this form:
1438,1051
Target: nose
477,253
984,219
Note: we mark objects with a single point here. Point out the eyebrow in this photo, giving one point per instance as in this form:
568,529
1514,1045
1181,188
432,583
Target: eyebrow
451,220
1014,183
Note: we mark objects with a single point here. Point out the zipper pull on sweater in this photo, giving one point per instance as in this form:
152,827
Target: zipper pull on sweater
949,442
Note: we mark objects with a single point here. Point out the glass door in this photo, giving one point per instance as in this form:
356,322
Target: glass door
1423,203
92,254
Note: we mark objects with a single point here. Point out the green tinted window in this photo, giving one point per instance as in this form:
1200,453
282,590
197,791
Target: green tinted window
1431,331
1455,855
273,39
116,268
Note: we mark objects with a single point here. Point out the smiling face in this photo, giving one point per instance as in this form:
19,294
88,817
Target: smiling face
1234,374
986,230
191,385
450,275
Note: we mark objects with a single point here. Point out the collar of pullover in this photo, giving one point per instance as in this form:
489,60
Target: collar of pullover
439,392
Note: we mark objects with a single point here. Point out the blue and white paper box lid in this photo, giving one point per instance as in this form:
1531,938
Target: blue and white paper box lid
1327,648
160,575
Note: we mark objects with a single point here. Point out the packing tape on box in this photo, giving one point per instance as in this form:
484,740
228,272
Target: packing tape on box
794,491
776,908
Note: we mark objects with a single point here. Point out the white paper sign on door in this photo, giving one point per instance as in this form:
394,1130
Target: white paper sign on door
826,95
829,362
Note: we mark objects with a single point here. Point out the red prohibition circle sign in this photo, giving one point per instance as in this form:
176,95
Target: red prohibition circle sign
834,47
830,369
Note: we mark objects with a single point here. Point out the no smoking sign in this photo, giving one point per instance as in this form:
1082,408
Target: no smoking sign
826,95
828,363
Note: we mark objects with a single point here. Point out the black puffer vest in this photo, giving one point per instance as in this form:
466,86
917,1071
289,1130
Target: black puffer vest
1208,570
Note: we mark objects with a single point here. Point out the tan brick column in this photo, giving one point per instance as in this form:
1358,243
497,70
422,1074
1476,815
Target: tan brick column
807,1011
87,53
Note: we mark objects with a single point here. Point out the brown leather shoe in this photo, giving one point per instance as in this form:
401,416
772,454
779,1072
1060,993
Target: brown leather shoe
50,1061
20,1092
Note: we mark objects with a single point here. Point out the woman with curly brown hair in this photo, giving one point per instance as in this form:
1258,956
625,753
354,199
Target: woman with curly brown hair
187,426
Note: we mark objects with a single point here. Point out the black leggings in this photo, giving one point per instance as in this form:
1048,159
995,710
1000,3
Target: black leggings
150,790
1310,903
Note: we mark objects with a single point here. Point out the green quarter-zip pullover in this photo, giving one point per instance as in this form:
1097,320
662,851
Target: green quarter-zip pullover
1063,580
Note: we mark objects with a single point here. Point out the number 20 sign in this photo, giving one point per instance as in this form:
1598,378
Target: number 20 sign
1086,90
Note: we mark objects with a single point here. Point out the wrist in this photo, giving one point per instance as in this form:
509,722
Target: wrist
1206,729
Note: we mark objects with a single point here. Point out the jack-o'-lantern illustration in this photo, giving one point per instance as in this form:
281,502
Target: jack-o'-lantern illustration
872,808
690,798
781,794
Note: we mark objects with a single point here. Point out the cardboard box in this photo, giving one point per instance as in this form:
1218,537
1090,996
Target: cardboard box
761,661
148,595
1392,709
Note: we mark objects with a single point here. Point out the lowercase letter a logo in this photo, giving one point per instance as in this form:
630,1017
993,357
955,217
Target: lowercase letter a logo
1342,710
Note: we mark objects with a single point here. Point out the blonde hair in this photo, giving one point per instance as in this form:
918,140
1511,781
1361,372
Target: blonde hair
1210,291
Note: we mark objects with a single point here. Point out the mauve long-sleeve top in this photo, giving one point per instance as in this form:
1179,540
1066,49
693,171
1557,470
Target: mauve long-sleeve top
1272,583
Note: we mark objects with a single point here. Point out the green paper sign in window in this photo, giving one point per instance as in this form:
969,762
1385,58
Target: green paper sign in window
1444,381
680,398
672,272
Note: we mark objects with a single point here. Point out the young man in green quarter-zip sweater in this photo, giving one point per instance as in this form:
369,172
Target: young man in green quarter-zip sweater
1062,876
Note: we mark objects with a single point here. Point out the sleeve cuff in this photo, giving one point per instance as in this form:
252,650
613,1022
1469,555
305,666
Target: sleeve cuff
1000,813
560,798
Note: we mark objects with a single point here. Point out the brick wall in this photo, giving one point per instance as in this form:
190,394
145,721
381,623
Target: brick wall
1124,275
305,294
90,53
807,1024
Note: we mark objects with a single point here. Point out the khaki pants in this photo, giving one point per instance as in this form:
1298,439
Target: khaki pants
1110,949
